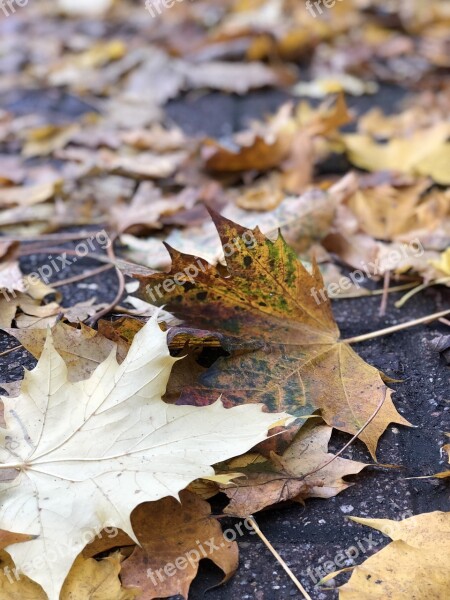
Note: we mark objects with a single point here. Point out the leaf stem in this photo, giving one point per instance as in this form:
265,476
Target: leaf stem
395,328
258,531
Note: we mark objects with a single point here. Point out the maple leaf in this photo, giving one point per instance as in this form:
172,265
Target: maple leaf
302,472
436,165
29,195
414,565
169,535
233,77
145,209
30,302
87,453
287,136
11,277
290,356
88,579
386,212
416,154
81,349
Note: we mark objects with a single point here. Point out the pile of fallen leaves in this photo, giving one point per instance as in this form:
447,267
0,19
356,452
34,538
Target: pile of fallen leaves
114,447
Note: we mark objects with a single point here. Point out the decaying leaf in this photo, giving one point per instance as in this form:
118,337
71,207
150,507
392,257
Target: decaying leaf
436,165
302,472
260,154
442,344
88,580
238,78
87,453
30,301
28,195
386,212
416,154
271,309
145,209
173,539
45,140
414,565
285,141
11,277
81,349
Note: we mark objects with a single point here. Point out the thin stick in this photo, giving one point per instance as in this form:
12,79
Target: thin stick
85,275
99,257
120,276
10,350
395,328
258,531
420,288
398,288
384,299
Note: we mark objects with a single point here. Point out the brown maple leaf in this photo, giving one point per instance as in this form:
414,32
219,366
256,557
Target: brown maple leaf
174,538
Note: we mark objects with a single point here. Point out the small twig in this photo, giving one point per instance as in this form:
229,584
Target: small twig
395,328
392,290
444,322
99,257
85,275
384,298
120,276
260,534
10,350
420,288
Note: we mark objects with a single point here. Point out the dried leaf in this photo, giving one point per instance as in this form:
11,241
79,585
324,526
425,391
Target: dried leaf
88,580
171,546
406,155
414,565
28,195
81,349
266,306
73,441
287,477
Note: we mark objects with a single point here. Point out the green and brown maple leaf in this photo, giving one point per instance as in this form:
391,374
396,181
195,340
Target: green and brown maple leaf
285,347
